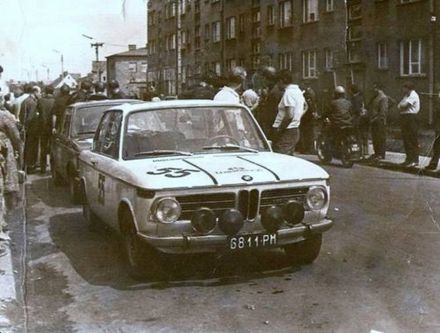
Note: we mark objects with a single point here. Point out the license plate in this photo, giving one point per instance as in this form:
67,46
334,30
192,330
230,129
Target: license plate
242,242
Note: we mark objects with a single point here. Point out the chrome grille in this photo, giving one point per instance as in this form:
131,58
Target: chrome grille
282,196
218,202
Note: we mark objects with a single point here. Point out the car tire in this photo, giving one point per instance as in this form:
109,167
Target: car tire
322,150
75,196
143,261
304,252
90,218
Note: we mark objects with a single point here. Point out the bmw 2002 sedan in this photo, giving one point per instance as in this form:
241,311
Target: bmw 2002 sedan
182,177
75,133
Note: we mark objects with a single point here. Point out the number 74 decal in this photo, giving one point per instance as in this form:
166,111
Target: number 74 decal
172,172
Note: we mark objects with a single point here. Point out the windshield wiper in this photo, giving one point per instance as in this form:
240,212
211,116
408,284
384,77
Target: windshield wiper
231,147
163,152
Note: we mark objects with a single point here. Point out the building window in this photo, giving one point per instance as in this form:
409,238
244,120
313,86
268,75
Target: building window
216,32
354,54
270,15
382,56
170,10
207,32
256,31
230,64
355,32
144,67
256,16
328,53
217,68
183,39
355,12
285,13
310,11
411,57
329,5
256,47
256,61
230,27
285,61
197,37
309,64
132,67
241,23
408,1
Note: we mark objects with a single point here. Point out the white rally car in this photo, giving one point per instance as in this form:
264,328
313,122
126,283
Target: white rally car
199,176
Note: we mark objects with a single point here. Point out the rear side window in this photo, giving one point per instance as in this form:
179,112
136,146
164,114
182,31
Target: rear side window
108,134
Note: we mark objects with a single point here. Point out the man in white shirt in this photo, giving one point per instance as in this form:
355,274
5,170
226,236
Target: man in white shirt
409,108
290,110
4,89
229,92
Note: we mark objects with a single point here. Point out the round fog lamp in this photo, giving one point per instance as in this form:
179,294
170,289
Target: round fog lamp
293,212
316,198
204,220
231,222
167,210
272,218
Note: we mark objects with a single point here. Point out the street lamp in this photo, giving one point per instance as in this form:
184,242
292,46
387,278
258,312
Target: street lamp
62,61
47,71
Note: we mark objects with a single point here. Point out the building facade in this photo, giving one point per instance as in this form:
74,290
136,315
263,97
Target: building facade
392,42
324,42
192,39
129,69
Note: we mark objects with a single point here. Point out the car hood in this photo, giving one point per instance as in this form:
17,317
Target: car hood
221,170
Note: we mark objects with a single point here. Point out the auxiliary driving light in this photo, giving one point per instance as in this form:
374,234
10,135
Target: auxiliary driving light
316,198
167,210
204,220
293,212
231,222
272,218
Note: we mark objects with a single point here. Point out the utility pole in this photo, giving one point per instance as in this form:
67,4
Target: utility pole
97,46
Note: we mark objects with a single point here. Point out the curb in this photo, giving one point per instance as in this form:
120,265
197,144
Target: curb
396,167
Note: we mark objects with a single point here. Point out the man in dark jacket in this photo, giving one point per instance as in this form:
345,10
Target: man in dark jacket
307,137
377,114
340,111
44,107
83,94
30,120
436,146
99,94
360,118
61,102
115,91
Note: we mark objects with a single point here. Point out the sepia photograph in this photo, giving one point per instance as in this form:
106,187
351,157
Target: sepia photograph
219,166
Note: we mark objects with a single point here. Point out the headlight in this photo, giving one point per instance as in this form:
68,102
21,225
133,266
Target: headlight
167,210
316,198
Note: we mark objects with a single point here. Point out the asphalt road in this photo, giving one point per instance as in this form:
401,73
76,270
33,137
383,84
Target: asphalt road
379,269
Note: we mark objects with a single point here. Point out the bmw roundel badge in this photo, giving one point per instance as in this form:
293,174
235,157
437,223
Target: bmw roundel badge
247,178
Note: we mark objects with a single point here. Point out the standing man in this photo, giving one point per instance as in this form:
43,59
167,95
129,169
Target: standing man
60,104
433,164
377,114
229,93
29,117
290,110
115,91
83,94
361,121
99,94
45,105
307,139
409,108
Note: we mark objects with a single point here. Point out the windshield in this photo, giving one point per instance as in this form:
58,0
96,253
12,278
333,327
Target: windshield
86,120
191,130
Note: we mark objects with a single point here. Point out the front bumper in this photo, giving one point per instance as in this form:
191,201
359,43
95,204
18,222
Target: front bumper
215,243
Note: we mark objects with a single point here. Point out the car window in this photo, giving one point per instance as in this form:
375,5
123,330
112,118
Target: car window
108,134
191,130
86,119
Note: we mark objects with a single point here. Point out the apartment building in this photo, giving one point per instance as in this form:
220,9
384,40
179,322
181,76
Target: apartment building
193,38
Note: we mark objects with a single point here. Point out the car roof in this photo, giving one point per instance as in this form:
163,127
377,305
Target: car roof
128,108
105,102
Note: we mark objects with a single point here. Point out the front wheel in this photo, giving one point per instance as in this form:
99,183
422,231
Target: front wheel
304,252
142,260
322,150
